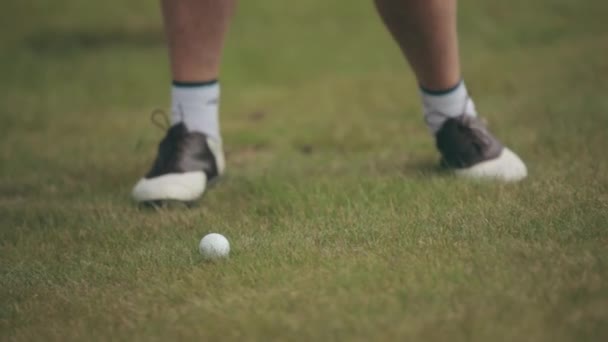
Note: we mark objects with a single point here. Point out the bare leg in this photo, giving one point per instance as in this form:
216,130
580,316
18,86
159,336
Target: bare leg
190,156
195,31
426,33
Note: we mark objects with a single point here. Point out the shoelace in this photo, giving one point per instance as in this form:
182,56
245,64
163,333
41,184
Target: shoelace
160,119
165,124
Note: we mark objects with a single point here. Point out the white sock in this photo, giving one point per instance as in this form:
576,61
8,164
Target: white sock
438,106
197,106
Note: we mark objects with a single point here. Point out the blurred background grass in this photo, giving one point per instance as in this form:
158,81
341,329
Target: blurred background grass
341,228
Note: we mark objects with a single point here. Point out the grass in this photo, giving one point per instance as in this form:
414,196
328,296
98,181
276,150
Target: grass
340,227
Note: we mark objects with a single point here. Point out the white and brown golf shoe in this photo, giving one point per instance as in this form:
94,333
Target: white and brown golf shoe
186,163
469,149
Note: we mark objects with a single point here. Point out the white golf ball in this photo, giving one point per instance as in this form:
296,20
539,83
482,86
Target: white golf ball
214,246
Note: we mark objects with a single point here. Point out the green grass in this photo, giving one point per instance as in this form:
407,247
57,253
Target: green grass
340,227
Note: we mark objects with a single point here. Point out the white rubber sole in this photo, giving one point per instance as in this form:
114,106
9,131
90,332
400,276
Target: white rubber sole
508,167
185,187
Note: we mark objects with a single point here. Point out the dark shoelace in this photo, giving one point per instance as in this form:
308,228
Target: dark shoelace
156,116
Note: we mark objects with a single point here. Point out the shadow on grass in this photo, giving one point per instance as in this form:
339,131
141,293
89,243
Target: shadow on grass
424,168
62,42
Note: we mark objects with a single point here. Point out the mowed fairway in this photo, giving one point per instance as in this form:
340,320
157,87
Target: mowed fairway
341,227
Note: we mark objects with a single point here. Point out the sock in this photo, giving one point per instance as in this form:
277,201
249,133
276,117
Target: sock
196,104
452,102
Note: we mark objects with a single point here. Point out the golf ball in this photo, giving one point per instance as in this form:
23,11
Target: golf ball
214,246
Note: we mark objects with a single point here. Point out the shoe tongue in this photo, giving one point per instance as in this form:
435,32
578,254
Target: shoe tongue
178,129
180,126
475,123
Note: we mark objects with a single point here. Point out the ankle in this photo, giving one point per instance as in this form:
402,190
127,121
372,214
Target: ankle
196,104
441,104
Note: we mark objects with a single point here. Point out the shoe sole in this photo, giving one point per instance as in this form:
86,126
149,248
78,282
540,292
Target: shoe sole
182,187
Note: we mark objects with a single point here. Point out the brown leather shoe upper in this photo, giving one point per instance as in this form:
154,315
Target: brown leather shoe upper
464,141
183,151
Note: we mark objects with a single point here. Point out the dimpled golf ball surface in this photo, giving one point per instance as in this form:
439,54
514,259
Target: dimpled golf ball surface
214,246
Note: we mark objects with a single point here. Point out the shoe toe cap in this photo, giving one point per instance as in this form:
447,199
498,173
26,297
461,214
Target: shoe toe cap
187,186
507,167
